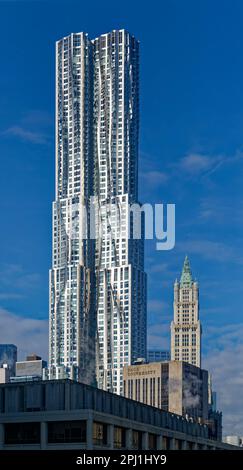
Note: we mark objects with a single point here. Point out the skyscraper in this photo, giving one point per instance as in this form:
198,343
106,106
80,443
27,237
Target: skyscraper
97,287
186,327
8,356
121,281
71,330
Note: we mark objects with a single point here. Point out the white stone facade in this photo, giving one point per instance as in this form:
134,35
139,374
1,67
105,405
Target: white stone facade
186,327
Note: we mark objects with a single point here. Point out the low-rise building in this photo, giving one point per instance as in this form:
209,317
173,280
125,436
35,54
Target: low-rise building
30,369
174,386
63,414
234,440
4,374
214,424
8,355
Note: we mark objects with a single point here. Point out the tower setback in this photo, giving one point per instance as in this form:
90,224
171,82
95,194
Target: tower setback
186,327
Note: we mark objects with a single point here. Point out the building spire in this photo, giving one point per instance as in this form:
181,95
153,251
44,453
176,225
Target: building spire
186,275
186,327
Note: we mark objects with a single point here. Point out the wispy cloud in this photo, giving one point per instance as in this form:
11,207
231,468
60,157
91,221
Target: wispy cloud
159,268
158,336
219,209
29,334
157,306
211,312
212,250
39,117
154,178
224,336
33,127
16,275
224,361
194,165
156,267
26,135
10,296
151,175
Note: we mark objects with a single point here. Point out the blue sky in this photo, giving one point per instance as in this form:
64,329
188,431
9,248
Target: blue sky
191,154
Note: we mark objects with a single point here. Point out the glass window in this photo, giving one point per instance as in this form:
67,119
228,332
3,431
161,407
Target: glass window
152,441
22,433
99,434
67,431
136,440
119,437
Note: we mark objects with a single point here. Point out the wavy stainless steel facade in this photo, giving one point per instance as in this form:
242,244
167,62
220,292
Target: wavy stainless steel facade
71,341
121,281
97,289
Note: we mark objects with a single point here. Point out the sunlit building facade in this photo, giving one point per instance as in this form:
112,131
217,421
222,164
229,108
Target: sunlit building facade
186,327
72,321
97,287
121,281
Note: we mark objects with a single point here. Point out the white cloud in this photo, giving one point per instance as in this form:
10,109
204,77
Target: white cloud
155,178
210,249
158,336
10,296
195,164
227,370
38,117
155,305
29,334
225,336
33,127
150,175
159,268
155,267
15,274
219,209
224,361
26,135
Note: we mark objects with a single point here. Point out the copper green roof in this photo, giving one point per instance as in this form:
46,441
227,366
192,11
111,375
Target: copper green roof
186,276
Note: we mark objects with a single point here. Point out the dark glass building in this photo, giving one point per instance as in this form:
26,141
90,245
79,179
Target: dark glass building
8,355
